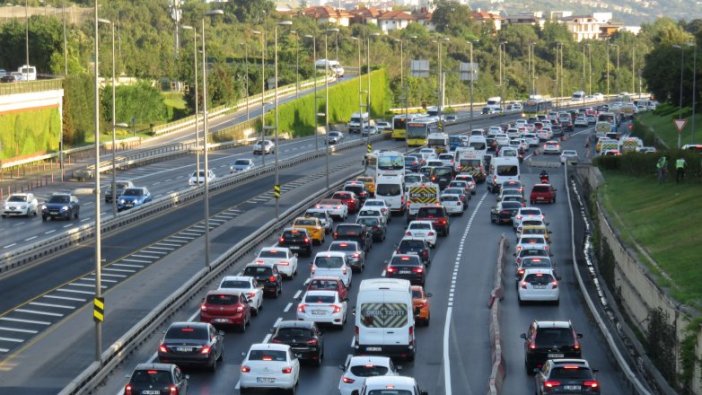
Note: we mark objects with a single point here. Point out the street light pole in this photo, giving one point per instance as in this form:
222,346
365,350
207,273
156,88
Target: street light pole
65,41
368,72
682,60
246,71
589,68
360,86
26,38
114,120
694,88
297,63
471,86
326,101
263,91
197,109
98,222
314,68
275,61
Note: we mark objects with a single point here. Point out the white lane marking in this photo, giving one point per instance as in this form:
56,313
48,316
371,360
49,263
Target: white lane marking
127,265
353,341
30,238
277,322
133,260
30,331
449,309
287,308
10,245
22,320
383,273
11,339
163,243
77,284
297,294
37,312
183,238
58,306
104,280
154,247
50,232
77,291
267,338
4,349
85,219
65,298
150,251
113,275
145,256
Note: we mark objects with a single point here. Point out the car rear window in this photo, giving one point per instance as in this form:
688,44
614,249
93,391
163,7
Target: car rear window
541,188
388,189
320,299
187,332
571,372
546,337
530,212
294,333
235,284
16,198
222,299
533,252
267,355
450,198
273,254
405,261
369,213
329,285
328,262
353,188
368,221
416,293
389,392
294,235
538,278
411,244
257,271
420,226
341,195
158,378
430,212
348,230
343,247
511,205
369,370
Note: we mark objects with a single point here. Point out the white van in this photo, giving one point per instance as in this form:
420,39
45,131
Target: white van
479,144
384,318
357,118
578,96
391,190
501,170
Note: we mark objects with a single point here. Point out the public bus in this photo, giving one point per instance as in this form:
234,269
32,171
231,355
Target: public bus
535,106
399,126
419,129
390,164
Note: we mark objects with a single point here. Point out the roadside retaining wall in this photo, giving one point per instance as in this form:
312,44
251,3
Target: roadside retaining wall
497,374
647,305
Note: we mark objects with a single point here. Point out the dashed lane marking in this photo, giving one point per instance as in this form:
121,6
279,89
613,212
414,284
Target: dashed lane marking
18,330
22,320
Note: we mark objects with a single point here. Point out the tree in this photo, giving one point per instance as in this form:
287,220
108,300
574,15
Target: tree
452,18
249,11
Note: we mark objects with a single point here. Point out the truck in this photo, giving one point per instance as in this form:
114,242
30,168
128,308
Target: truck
629,144
470,161
358,121
421,195
27,73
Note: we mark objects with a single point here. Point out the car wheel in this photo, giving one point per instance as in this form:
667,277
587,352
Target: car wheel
43,218
76,215
554,200
213,366
242,328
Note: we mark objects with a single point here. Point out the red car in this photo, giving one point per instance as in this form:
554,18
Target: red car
542,193
349,199
329,283
226,308
437,215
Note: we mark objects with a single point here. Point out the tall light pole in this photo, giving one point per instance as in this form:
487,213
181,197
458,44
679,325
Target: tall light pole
589,68
326,101
262,33
98,222
502,48
26,38
360,86
314,68
114,121
616,74
532,67
277,181
246,73
205,133
368,72
682,60
197,109
607,61
65,41
694,88
297,62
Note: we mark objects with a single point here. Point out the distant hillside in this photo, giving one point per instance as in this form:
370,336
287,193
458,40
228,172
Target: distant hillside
631,12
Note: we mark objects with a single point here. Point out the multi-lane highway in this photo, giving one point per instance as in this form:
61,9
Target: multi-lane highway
171,250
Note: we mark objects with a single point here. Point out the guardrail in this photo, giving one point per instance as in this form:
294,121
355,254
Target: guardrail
91,378
22,256
31,86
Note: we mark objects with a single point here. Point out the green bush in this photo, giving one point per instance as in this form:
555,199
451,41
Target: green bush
297,117
28,133
644,165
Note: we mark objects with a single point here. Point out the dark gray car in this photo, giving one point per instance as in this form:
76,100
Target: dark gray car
354,253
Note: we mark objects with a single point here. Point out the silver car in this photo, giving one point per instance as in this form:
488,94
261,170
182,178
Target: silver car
241,165
355,255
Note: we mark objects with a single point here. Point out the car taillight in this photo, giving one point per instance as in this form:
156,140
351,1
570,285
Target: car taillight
519,217
523,284
203,307
281,240
343,271
551,383
532,346
576,345
418,270
411,333
287,370
337,309
301,308
239,309
356,255
284,263
274,340
162,348
429,234
312,342
591,383
251,295
520,271
307,241
272,279
245,369
172,390
391,269
408,233
128,389
205,350
347,380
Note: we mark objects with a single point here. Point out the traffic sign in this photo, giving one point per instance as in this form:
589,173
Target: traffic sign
369,148
99,309
680,124
276,191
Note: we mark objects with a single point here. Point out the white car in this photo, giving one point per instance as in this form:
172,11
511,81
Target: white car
427,153
323,216
334,207
322,307
532,241
269,365
359,367
263,147
282,257
403,385
334,137
20,204
199,179
569,155
544,134
509,151
580,121
248,285
501,140
241,165
538,285
552,147
374,212
494,130
531,139
513,133
332,263
527,214
422,230
378,204
468,178
383,125
453,204
369,129
447,159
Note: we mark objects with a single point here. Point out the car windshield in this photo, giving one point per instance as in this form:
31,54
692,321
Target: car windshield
257,271
17,198
388,189
59,199
235,284
132,192
273,254
293,333
267,355
546,337
567,372
222,299
329,262
369,370
187,332
331,285
320,299
242,162
157,378
343,247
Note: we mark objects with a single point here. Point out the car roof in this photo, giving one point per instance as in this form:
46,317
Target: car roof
290,229
155,366
330,254
295,324
260,264
237,278
570,361
269,346
369,359
187,324
553,324
383,381
537,270
223,291
325,278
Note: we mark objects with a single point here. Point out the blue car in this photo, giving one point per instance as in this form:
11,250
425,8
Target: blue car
133,197
60,206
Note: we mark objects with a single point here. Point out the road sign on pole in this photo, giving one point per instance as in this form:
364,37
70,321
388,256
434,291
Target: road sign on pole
276,191
680,124
369,148
99,309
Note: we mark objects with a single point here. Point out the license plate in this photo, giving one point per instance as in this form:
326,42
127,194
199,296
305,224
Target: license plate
265,380
374,348
539,198
150,392
405,272
294,247
184,349
539,286
221,320
555,355
319,312
571,387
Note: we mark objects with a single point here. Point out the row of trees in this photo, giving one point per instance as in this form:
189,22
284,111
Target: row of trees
145,48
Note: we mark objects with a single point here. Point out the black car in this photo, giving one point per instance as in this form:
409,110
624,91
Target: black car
412,163
355,232
266,275
566,376
359,189
503,212
157,379
303,337
411,245
491,143
192,344
377,228
297,239
408,267
441,175
61,206
557,131
549,340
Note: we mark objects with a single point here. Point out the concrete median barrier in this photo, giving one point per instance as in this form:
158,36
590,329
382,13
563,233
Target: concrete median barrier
498,372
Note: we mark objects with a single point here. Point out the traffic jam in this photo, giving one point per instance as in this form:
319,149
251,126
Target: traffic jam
330,244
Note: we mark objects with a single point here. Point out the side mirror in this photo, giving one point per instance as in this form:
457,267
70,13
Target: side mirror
428,294
187,377
523,336
580,335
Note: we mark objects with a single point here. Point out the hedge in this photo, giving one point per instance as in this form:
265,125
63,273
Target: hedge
644,164
27,133
297,117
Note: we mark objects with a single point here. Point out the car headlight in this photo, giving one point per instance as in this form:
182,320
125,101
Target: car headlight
43,207
121,201
64,208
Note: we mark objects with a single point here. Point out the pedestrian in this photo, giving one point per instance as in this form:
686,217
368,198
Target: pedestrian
680,166
662,168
